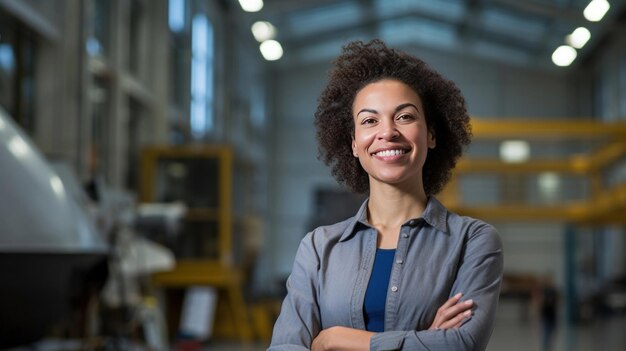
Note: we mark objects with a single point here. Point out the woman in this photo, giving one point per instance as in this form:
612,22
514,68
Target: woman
403,273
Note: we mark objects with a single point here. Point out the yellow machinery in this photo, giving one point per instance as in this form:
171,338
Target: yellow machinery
201,176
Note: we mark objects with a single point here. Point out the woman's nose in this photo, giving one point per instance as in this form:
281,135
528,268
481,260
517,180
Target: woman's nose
388,131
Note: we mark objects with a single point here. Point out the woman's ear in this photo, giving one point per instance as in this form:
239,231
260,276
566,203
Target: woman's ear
354,148
432,140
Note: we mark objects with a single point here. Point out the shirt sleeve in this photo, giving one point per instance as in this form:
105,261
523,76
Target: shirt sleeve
479,277
299,320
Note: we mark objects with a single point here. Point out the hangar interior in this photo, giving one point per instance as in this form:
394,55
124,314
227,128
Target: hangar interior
160,166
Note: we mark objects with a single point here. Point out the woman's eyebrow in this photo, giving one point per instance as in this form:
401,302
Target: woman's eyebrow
367,110
405,105
398,108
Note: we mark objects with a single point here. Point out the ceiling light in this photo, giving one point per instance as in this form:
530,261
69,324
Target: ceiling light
513,151
548,182
549,186
596,10
251,5
579,37
271,50
564,55
263,31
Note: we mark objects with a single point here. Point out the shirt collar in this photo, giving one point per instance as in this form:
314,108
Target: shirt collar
435,215
359,219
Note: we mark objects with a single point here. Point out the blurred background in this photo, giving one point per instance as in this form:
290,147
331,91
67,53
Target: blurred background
159,168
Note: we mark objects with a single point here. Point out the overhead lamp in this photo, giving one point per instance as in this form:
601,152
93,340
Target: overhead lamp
514,151
564,55
271,50
596,10
579,37
548,182
263,31
251,5
549,186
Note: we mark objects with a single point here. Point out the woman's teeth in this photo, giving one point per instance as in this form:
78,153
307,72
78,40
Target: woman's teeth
389,153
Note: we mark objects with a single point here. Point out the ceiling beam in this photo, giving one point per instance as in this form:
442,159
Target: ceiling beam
542,9
372,20
276,8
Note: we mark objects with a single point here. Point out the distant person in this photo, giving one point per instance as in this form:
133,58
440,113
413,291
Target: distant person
404,273
546,297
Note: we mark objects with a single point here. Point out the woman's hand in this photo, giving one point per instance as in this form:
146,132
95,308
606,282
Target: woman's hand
342,338
452,313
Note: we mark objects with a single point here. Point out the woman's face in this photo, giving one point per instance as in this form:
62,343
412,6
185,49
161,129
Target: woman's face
391,138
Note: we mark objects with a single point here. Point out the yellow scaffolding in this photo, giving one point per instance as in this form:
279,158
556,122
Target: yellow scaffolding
604,205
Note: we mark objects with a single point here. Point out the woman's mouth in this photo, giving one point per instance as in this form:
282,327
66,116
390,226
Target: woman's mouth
391,152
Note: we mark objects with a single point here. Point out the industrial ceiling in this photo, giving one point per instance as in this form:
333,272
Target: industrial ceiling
524,32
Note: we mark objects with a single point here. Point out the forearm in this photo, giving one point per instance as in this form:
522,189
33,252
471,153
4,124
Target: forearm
342,339
347,339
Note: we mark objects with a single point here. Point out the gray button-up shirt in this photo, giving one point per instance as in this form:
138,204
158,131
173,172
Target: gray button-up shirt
438,255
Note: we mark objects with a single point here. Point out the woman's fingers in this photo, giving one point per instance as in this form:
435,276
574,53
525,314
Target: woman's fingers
460,307
456,321
452,313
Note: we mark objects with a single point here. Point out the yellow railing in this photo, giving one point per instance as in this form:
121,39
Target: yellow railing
603,205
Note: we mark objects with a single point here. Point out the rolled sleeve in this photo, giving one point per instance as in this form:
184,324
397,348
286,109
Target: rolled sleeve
299,320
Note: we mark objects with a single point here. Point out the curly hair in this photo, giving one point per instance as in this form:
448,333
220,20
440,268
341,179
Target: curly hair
363,63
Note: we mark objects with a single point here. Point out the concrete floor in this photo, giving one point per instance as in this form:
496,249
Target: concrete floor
512,334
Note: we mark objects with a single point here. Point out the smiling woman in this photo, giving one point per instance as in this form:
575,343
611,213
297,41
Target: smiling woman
404,273
391,138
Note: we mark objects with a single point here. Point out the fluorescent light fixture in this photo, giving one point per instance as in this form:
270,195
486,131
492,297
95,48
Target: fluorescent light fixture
263,31
579,37
251,5
564,55
514,151
271,50
596,10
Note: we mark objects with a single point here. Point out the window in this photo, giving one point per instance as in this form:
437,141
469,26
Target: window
201,116
192,53
17,72
622,85
176,15
99,18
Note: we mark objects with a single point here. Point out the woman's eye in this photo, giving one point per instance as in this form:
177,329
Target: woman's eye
368,121
405,116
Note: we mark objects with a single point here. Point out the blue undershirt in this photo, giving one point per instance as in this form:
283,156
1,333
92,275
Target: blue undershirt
376,293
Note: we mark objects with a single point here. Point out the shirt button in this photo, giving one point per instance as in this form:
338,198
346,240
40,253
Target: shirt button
399,261
405,235
413,222
394,288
